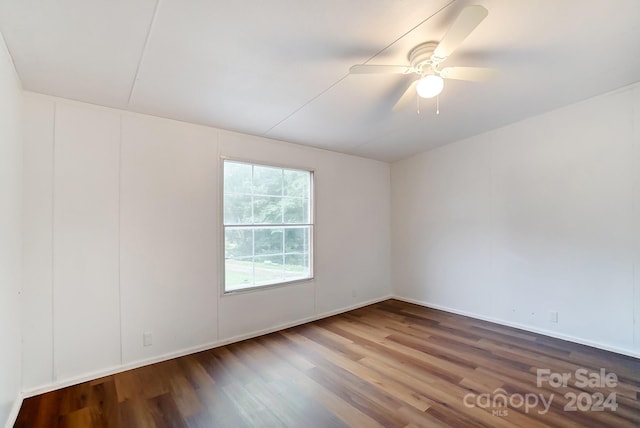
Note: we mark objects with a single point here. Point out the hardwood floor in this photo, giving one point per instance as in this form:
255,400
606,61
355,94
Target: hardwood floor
392,364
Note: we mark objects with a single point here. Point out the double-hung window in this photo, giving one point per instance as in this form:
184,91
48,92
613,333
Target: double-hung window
268,225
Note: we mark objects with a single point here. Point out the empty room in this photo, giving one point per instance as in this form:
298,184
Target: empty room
303,213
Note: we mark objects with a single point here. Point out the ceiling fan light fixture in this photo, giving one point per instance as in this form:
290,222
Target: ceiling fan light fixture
430,86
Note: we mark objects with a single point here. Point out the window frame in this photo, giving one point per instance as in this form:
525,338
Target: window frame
311,224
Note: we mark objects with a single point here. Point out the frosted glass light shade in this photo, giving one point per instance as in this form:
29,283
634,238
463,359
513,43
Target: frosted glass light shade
429,86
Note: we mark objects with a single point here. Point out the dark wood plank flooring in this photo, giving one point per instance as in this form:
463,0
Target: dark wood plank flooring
392,364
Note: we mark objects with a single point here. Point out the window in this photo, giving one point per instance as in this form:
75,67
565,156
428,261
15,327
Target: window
268,225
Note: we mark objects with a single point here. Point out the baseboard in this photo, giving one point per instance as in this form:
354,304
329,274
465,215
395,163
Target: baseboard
528,328
140,363
251,335
204,347
15,409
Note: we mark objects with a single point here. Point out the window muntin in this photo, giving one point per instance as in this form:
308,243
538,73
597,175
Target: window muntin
268,225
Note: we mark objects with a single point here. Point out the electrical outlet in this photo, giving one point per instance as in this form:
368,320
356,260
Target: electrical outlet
147,339
553,316
354,293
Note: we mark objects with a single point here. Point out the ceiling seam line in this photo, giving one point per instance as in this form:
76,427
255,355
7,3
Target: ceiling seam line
144,50
370,58
412,29
307,103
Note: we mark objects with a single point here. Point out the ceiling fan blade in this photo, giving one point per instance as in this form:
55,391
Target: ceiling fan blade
465,23
474,74
380,69
409,95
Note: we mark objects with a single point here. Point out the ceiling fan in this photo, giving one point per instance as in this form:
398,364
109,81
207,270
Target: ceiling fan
425,60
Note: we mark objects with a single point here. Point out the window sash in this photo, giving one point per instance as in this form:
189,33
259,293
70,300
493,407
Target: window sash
258,262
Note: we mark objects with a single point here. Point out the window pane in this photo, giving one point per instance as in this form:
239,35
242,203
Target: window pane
296,210
267,209
296,266
237,177
268,241
296,183
267,181
237,209
296,240
268,269
238,243
256,199
238,274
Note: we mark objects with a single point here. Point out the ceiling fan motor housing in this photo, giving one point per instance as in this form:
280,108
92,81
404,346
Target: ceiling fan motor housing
421,58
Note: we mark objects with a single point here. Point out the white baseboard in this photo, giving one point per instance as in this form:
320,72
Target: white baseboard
117,369
140,363
528,328
15,409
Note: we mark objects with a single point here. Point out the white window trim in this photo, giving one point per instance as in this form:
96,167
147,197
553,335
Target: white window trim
312,219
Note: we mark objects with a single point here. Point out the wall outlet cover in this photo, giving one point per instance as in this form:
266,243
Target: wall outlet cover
147,339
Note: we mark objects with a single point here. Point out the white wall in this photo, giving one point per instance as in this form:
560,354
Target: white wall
539,216
10,235
169,240
37,277
123,222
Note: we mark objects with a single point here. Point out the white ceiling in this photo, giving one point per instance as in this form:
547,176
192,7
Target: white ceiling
279,68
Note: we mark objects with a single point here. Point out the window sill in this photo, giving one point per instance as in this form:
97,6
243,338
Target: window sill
267,286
